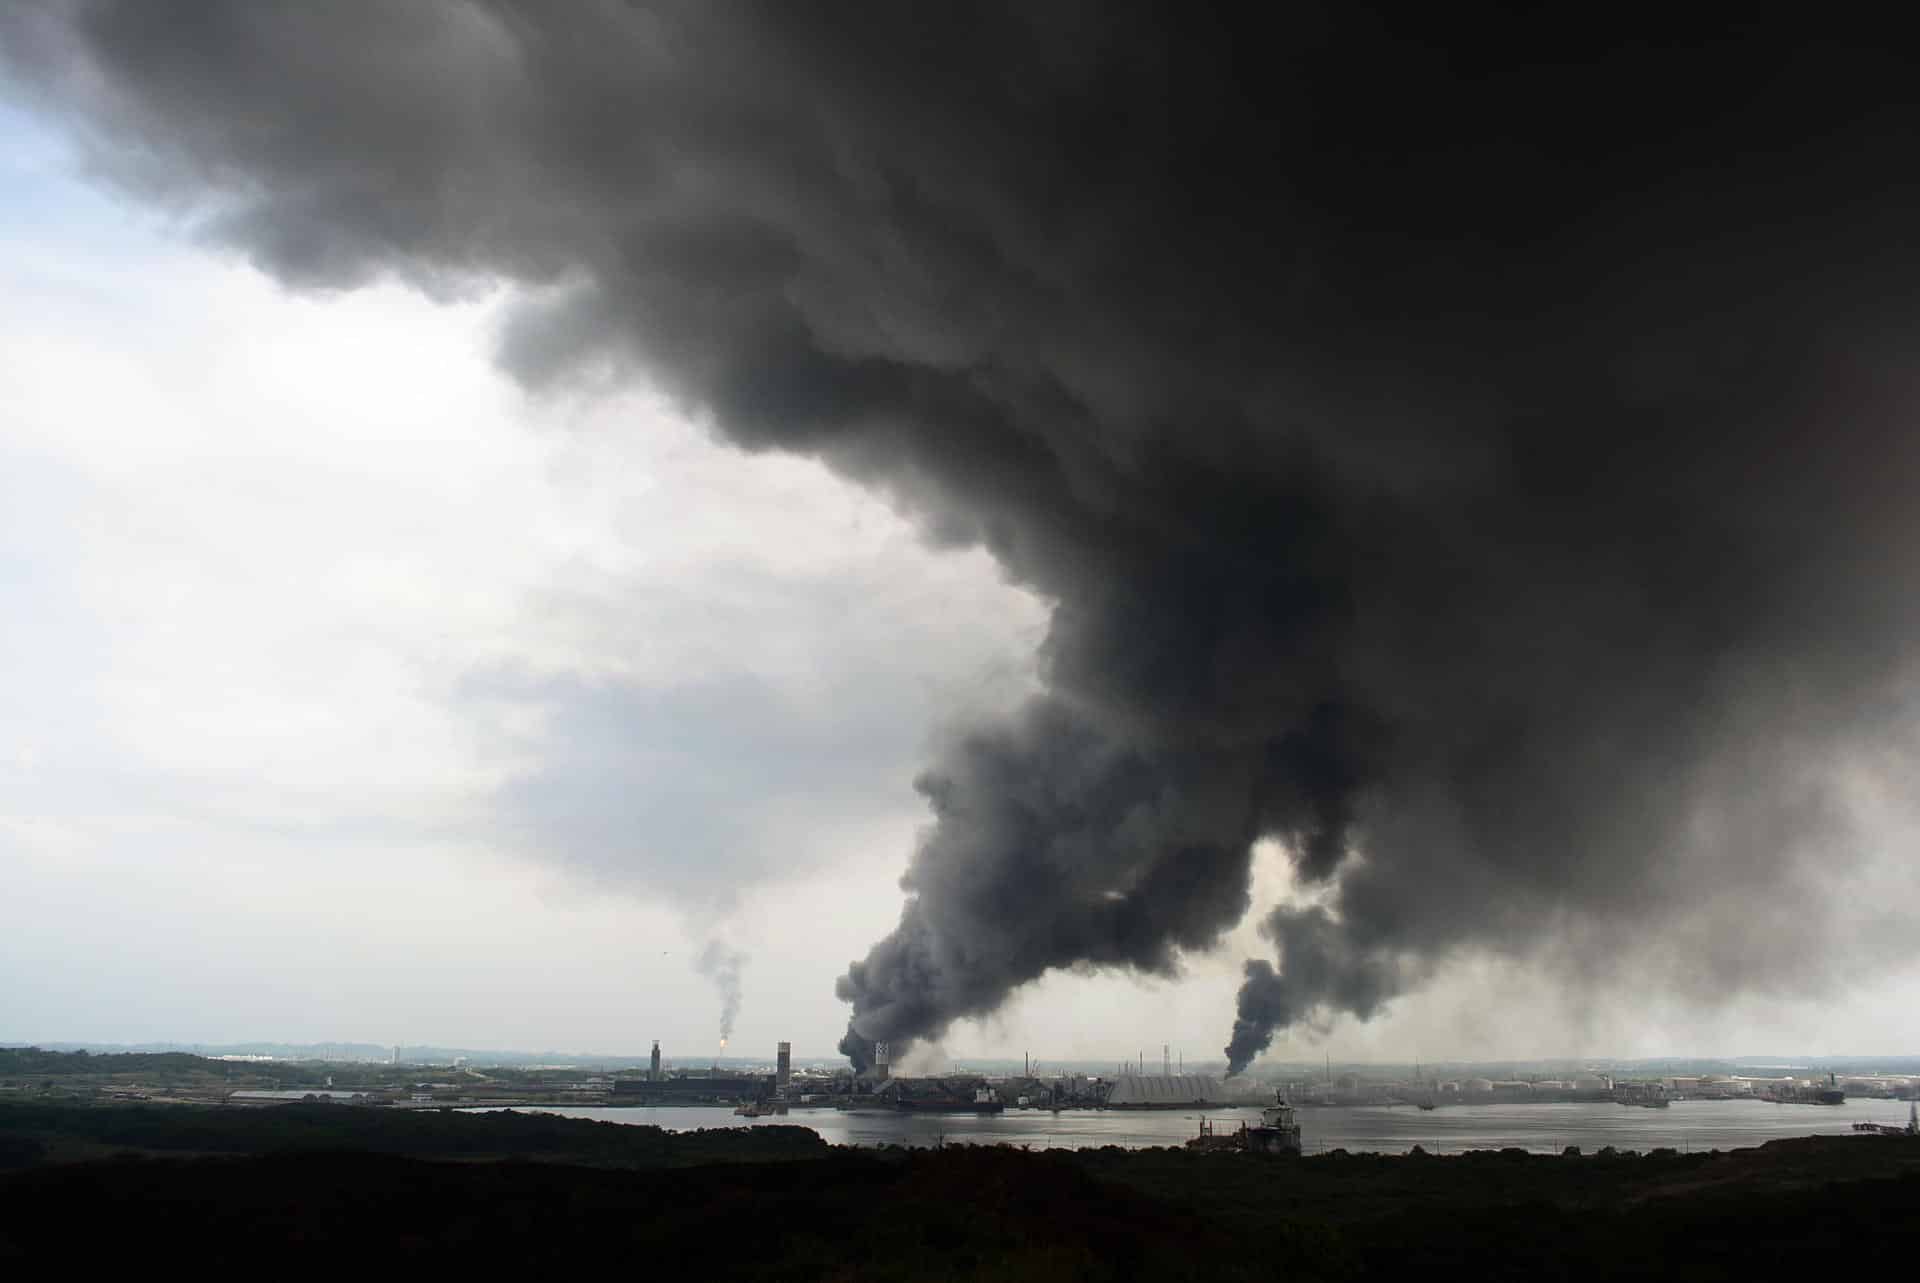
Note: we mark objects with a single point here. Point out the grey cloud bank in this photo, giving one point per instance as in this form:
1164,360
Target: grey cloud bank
1491,482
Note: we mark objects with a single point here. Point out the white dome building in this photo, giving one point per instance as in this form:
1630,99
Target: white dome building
1166,1091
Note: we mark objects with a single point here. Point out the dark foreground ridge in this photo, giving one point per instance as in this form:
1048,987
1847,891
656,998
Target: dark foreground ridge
337,1185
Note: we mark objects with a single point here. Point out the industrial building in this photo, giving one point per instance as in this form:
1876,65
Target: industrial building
716,1088
693,1089
298,1097
1162,1091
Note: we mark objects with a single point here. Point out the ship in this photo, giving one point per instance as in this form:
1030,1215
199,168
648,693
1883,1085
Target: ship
938,1096
1278,1133
1426,1102
1279,1130
982,1101
1210,1141
1811,1094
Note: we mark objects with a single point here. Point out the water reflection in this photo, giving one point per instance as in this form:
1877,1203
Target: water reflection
1545,1128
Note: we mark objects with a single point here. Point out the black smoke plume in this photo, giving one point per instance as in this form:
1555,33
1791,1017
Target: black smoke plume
1472,453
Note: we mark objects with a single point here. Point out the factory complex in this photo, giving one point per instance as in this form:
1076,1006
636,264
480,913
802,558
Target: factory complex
878,1088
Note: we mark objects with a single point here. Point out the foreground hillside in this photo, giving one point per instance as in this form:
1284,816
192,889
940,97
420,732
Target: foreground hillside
338,1185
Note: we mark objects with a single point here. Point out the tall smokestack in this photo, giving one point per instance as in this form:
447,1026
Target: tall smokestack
653,1068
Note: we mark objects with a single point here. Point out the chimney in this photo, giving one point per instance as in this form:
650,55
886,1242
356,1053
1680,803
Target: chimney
653,1072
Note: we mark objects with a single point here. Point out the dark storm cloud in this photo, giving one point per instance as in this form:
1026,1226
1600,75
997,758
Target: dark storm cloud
1476,456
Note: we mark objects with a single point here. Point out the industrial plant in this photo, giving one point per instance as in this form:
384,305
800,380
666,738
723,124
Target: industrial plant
879,1089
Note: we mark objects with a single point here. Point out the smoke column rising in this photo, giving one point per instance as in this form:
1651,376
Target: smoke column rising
722,966
1475,456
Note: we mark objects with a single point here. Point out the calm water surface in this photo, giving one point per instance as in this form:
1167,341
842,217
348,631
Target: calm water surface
1546,1128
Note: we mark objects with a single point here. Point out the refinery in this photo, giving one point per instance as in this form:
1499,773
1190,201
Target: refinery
781,1086
879,1089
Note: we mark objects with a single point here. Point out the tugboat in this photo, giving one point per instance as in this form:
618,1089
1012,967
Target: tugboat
1882,1129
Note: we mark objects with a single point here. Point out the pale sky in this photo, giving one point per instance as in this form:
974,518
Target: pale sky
349,693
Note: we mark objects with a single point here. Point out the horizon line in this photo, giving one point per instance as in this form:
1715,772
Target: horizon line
211,1049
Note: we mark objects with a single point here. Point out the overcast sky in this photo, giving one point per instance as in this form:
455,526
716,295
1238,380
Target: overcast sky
349,690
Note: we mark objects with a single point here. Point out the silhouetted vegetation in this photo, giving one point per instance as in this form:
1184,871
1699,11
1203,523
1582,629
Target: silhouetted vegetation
31,1062
79,1131
342,1185
32,1065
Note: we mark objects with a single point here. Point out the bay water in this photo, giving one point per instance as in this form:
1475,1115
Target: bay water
1688,1125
